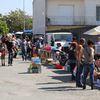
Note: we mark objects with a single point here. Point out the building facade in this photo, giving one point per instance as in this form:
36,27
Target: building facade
64,12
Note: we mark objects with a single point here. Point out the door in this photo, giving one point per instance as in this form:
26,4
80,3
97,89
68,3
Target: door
65,14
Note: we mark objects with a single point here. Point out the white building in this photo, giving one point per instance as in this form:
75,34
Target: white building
64,12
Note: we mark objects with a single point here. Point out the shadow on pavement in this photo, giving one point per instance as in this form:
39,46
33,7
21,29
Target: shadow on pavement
62,88
60,72
62,78
5,66
27,73
48,66
49,83
24,62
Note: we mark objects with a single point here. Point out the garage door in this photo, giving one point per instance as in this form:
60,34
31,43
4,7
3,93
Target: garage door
65,14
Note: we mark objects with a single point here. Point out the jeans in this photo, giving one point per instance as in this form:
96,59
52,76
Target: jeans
72,66
10,57
88,68
78,75
24,55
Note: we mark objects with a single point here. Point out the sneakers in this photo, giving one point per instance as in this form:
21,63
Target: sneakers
3,64
84,87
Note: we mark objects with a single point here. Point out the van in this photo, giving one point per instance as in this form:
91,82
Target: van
64,38
18,34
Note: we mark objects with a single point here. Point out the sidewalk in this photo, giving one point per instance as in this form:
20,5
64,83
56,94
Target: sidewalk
51,84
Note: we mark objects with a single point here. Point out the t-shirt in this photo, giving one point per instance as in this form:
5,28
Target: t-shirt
9,45
88,55
72,54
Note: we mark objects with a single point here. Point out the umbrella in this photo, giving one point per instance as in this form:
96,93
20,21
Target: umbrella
94,31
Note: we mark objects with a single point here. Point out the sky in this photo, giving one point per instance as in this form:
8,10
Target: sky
7,5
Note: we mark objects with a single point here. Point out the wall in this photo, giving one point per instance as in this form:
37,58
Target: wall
90,11
38,16
78,5
84,8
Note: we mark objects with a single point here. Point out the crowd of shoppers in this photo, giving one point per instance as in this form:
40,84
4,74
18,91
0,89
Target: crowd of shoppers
80,55
10,45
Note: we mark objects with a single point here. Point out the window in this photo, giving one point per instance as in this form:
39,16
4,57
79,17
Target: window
98,13
65,37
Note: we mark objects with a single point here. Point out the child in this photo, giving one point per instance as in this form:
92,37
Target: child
2,50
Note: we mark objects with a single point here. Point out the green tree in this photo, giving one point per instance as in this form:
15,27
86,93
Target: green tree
3,27
28,23
15,21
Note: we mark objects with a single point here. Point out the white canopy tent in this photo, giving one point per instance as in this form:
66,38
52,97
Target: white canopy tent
94,31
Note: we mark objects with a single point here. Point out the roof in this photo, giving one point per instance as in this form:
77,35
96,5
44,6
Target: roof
59,33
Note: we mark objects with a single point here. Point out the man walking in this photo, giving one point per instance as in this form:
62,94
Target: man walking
80,58
88,64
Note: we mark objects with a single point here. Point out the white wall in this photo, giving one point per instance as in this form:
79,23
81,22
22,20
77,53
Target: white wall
90,11
38,16
78,5
84,8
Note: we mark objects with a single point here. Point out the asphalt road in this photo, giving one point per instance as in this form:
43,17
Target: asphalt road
51,84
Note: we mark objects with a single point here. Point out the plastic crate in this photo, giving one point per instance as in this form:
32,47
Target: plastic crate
36,70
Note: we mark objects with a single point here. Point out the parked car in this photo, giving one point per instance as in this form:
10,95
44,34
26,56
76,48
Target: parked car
18,34
64,38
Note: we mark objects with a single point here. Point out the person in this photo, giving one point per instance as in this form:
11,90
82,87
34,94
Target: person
15,46
29,49
58,51
88,64
47,49
80,58
74,39
9,44
72,59
37,45
41,42
2,51
24,49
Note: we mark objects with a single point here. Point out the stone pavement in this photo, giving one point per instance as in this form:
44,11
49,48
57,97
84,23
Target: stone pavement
51,84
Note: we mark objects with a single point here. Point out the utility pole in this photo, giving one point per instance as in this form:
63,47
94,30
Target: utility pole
24,15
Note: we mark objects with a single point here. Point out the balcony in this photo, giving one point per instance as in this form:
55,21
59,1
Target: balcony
69,20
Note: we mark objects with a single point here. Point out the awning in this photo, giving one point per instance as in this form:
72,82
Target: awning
94,31
28,31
